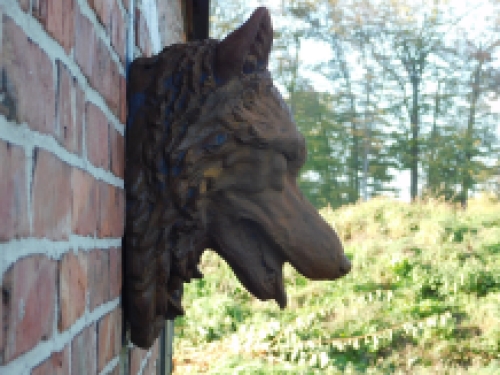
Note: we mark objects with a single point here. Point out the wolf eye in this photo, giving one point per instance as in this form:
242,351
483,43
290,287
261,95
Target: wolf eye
215,141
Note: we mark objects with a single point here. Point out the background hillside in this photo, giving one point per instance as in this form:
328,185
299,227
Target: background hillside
423,297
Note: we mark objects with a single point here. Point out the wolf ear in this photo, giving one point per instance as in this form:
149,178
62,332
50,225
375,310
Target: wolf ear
247,48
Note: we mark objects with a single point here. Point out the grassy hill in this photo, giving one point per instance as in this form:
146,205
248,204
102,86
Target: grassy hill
423,298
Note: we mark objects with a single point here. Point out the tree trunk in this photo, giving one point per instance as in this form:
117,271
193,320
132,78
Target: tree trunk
467,174
354,152
366,145
432,178
414,149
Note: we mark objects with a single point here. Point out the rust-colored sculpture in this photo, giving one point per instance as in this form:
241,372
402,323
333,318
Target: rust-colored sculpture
212,160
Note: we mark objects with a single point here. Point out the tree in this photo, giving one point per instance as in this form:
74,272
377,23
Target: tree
478,56
407,90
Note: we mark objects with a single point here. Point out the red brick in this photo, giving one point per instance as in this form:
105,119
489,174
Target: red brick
142,36
85,43
151,365
170,24
79,112
117,31
101,79
28,77
122,114
83,352
112,211
25,5
116,370
72,288
98,277
112,91
117,143
53,21
125,4
13,194
115,272
85,203
137,355
51,195
105,76
94,57
39,10
56,364
108,338
55,16
103,10
97,137
69,129
29,297
68,24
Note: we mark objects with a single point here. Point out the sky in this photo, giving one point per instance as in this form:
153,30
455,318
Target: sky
314,52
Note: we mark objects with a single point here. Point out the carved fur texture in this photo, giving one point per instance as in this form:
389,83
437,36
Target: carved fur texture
212,157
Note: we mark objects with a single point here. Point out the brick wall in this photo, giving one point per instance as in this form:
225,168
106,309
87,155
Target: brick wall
62,115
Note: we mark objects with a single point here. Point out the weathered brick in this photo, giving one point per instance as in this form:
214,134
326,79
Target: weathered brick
56,364
152,360
25,5
55,16
117,31
117,143
13,194
112,211
137,355
85,203
108,337
116,370
105,76
79,111
85,43
98,277
69,129
115,272
112,91
142,36
170,22
125,4
103,9
29,290
100,71
97,136
27,77
72,288
51,195
83,352
68,24
94,57
122,114
39,10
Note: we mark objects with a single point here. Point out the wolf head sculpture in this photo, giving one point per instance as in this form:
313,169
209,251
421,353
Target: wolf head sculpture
212,158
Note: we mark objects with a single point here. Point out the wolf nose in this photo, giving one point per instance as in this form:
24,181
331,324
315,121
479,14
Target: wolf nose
345,266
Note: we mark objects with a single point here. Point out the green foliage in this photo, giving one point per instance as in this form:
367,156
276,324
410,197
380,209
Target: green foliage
423,297
404,86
